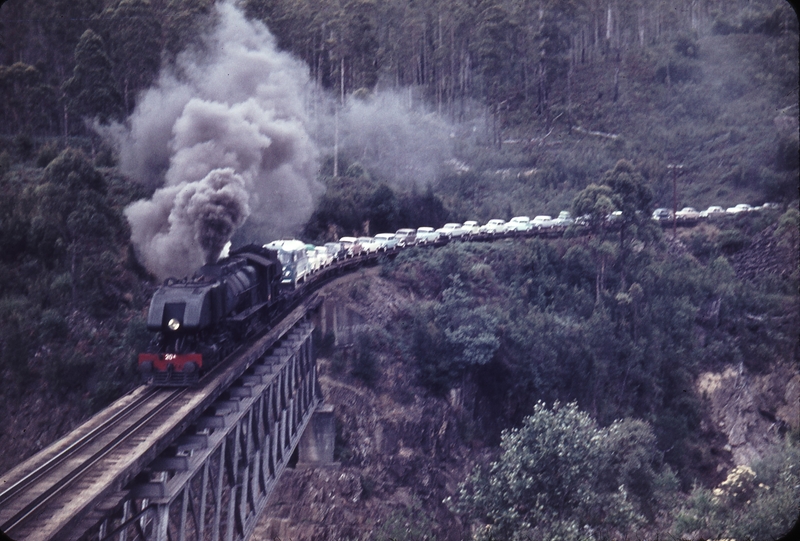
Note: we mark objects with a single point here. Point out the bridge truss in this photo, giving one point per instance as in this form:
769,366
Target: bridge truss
215,480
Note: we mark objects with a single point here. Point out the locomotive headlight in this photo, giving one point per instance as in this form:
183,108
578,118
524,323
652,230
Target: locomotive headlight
173,324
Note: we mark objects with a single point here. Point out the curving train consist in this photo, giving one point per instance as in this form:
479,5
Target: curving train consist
202,319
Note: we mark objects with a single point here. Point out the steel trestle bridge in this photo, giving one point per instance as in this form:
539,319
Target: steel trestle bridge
166,464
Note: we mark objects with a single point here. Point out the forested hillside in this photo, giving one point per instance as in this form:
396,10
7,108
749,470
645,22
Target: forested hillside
559,90
353,117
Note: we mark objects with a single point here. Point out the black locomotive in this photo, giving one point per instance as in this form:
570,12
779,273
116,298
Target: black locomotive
199,320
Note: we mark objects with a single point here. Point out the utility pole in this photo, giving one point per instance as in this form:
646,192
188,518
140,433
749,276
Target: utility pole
675,168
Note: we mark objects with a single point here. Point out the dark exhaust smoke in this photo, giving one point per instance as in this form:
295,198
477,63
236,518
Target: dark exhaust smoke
186,226
223,135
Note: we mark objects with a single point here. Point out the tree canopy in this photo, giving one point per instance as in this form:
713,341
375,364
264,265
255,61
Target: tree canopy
560,475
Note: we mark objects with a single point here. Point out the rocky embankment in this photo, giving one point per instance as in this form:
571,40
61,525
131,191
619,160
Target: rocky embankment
399,451
767,254
752,411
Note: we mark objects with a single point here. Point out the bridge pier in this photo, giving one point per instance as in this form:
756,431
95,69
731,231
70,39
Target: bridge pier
335,316
317,443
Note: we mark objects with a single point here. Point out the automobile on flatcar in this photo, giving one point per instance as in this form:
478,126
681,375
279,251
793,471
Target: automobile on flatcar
471,228
336,250
352,246
294,259
495,226
564,219
387,241
406,237
427,235
369,244
687,214
519,224
324,256
451,230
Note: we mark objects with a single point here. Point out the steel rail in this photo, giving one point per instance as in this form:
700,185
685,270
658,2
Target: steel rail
44,498
72,449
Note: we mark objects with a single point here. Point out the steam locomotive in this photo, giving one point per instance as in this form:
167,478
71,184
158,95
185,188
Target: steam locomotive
200,320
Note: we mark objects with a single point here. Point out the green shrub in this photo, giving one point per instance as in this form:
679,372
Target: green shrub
5,162
604,476
701,246
53,327
46,154
752,503
678,70
68,371
686,45
23,144
18,326
731,241
15,348
408,523
339,361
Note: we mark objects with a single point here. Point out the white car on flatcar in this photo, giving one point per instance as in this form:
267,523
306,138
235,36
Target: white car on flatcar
427,235
451,230
471,228
369,244
741,207
519,224
714,211
494,226
324,256
387,241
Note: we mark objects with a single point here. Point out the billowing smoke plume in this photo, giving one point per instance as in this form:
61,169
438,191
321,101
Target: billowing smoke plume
223,136
403,144
389,134
187,225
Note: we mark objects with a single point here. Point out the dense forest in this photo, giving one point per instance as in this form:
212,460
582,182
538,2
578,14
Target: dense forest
416,113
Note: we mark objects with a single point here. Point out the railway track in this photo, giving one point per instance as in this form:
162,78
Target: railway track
59,481
14,488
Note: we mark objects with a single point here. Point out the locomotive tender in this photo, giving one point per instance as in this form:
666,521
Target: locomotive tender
199,320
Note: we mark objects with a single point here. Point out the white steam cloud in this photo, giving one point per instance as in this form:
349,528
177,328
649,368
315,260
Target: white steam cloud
402,143
224,136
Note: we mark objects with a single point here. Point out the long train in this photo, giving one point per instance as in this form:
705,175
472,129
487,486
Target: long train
200,320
